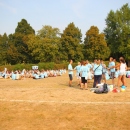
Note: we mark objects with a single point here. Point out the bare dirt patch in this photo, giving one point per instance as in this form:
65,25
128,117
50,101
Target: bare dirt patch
49,104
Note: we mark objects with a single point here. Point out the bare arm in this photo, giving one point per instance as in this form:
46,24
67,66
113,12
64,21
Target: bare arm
116,66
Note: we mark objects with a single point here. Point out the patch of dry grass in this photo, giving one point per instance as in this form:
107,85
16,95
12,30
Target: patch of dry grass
67,111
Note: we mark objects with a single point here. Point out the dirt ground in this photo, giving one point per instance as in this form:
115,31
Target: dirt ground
49,104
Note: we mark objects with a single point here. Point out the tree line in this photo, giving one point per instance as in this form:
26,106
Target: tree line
50,45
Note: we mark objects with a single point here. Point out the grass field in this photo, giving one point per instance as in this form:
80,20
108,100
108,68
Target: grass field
49,104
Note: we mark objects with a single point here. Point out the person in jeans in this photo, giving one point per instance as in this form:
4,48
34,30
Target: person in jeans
97,73
70,72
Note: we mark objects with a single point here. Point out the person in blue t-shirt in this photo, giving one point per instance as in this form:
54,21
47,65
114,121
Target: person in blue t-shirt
104,71
112,70
97,73
77,68
84,75
70,72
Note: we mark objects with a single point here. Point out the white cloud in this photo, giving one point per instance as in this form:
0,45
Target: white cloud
8,7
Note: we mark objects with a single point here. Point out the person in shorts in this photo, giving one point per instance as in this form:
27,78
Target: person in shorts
70,72
122,71
77,68
84,75
112,69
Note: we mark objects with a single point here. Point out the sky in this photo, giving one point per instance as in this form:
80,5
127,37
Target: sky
56,13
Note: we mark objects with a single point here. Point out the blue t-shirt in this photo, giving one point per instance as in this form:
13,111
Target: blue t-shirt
70,69
77,68
84,71
97,69
112,63
89,66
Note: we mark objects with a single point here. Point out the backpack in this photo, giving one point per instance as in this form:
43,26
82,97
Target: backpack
102,90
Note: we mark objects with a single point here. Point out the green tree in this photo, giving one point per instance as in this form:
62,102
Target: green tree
45,45
12,53
95,45
34,48
24,28
21,32
49,43
70,47
3,48
117,32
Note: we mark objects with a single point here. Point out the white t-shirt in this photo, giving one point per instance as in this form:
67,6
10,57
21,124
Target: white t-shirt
122,70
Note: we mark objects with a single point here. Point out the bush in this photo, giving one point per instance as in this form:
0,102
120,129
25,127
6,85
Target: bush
45,66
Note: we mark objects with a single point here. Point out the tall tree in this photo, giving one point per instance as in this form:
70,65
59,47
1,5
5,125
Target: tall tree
117,32
34,48
95,44
70,47
24,28
44,47
21,32
50,43
12,52
3,48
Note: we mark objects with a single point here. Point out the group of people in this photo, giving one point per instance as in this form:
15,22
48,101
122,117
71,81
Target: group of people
34,73
99,72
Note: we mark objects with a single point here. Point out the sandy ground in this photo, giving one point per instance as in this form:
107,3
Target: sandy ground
49,104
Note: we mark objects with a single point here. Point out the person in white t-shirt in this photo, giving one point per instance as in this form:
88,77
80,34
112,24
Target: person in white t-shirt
122,71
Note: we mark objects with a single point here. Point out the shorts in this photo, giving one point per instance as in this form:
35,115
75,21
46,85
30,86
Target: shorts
83,80
78,76
122,73
112,75
70,77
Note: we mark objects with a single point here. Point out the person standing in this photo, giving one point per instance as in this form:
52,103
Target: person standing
122,71
89,67
77,68
84,75
112,69
104,71
97,73
70,72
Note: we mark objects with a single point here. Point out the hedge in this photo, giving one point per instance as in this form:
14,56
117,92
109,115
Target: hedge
45,66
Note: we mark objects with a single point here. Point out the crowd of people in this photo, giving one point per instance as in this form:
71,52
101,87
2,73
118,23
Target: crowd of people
85,71
34,73
99,72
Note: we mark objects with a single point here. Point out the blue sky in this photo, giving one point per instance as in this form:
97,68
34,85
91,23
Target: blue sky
56,13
